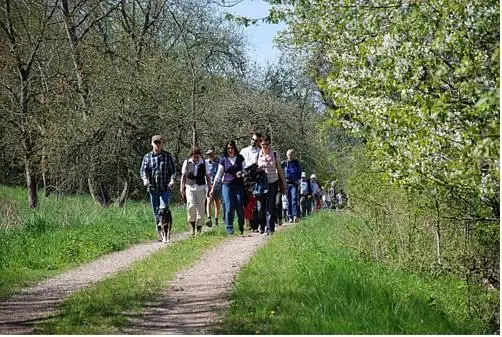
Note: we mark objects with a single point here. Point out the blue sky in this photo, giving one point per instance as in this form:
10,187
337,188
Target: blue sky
260,37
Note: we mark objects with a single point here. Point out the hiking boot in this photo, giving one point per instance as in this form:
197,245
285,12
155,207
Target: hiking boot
209,223
216,221
199,229
192,223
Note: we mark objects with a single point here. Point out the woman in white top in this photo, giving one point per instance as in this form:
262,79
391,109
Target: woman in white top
195,181
269,162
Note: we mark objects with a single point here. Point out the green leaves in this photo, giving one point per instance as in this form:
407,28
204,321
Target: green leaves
417,81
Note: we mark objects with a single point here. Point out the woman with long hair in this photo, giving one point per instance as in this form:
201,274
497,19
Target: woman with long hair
230,173
269,161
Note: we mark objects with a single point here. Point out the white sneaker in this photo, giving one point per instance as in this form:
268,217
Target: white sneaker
296,219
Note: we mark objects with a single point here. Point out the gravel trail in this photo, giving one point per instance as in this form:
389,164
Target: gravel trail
194,303
196,299
21,312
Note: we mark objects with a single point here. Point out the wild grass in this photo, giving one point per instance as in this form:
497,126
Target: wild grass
61,234
308,281
106,307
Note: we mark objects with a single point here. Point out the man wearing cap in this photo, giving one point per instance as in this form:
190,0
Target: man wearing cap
212,164
158,173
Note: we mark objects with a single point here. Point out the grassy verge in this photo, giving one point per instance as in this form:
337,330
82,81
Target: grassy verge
103,309
306,281
61,234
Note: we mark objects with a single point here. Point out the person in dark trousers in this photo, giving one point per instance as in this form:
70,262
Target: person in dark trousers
292,172
158,173
249,153
269,162
230,173
305,191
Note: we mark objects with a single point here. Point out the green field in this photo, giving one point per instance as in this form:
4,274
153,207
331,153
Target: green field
61,234
306,280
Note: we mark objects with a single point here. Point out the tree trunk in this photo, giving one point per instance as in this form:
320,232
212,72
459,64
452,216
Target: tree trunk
194,134
31,183
97,191
100,194
438,234
123,196
44,177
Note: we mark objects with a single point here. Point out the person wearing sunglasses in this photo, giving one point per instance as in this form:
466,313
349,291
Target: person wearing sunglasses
230,173
269,162
250,152
158,173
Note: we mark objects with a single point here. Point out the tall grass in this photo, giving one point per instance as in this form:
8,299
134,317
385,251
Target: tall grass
308,280
60,234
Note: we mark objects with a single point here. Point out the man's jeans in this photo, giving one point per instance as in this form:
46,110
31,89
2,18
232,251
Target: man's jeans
159,200
292,201
233,195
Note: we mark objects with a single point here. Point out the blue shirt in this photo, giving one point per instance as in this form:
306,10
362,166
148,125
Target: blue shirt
292,171
213,168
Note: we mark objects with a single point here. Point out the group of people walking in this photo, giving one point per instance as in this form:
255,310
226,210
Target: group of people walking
283,191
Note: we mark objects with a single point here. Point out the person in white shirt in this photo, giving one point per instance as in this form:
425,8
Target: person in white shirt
316,193
195,182
251,152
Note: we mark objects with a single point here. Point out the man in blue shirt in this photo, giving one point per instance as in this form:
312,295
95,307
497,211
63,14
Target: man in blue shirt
292,173
158,173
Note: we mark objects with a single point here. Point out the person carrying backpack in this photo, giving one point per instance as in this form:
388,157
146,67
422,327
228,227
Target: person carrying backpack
268,161
305,191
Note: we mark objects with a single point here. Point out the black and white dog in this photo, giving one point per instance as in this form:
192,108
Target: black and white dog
165,224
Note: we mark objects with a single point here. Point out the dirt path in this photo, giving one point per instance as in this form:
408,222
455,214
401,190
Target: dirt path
20,313
193,303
